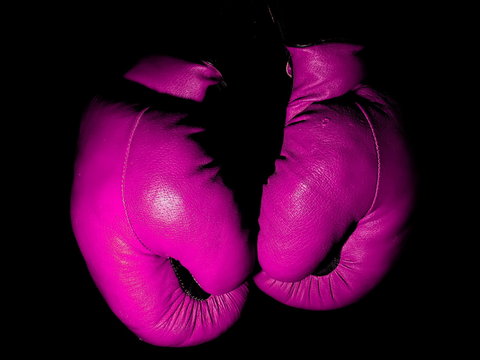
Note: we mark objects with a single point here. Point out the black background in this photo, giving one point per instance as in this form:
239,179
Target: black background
79,48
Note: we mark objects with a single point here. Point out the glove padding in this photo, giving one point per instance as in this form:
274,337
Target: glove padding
334,213
147,205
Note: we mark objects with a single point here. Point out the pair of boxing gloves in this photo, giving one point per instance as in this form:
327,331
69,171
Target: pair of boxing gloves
161,233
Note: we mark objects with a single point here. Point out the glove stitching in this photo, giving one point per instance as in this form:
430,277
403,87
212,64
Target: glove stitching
377,151
124,173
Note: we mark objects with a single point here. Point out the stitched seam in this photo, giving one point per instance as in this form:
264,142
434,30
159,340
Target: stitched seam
377,150
124,172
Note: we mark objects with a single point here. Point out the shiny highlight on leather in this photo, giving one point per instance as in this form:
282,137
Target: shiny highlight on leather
142,196
344,165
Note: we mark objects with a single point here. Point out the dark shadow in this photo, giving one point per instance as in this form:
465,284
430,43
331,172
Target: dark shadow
333,258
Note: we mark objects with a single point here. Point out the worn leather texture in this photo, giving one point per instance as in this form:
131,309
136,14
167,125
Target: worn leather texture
335,212
150,212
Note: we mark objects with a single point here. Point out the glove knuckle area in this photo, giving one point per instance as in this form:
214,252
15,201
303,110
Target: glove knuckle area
131,158
325,184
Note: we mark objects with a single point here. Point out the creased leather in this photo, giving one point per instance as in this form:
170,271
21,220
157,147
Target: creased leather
141,196
344,166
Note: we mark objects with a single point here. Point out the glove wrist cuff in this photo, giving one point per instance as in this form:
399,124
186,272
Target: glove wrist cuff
176,77
322,72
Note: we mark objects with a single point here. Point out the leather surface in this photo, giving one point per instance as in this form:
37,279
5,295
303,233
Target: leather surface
142,195
344,180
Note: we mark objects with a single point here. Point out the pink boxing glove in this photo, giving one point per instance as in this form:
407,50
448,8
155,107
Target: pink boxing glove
334,213
145,208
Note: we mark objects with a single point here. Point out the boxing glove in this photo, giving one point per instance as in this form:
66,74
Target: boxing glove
159,231
334,213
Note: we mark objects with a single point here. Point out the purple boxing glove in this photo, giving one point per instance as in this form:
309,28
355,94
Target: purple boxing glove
334,213
145,209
